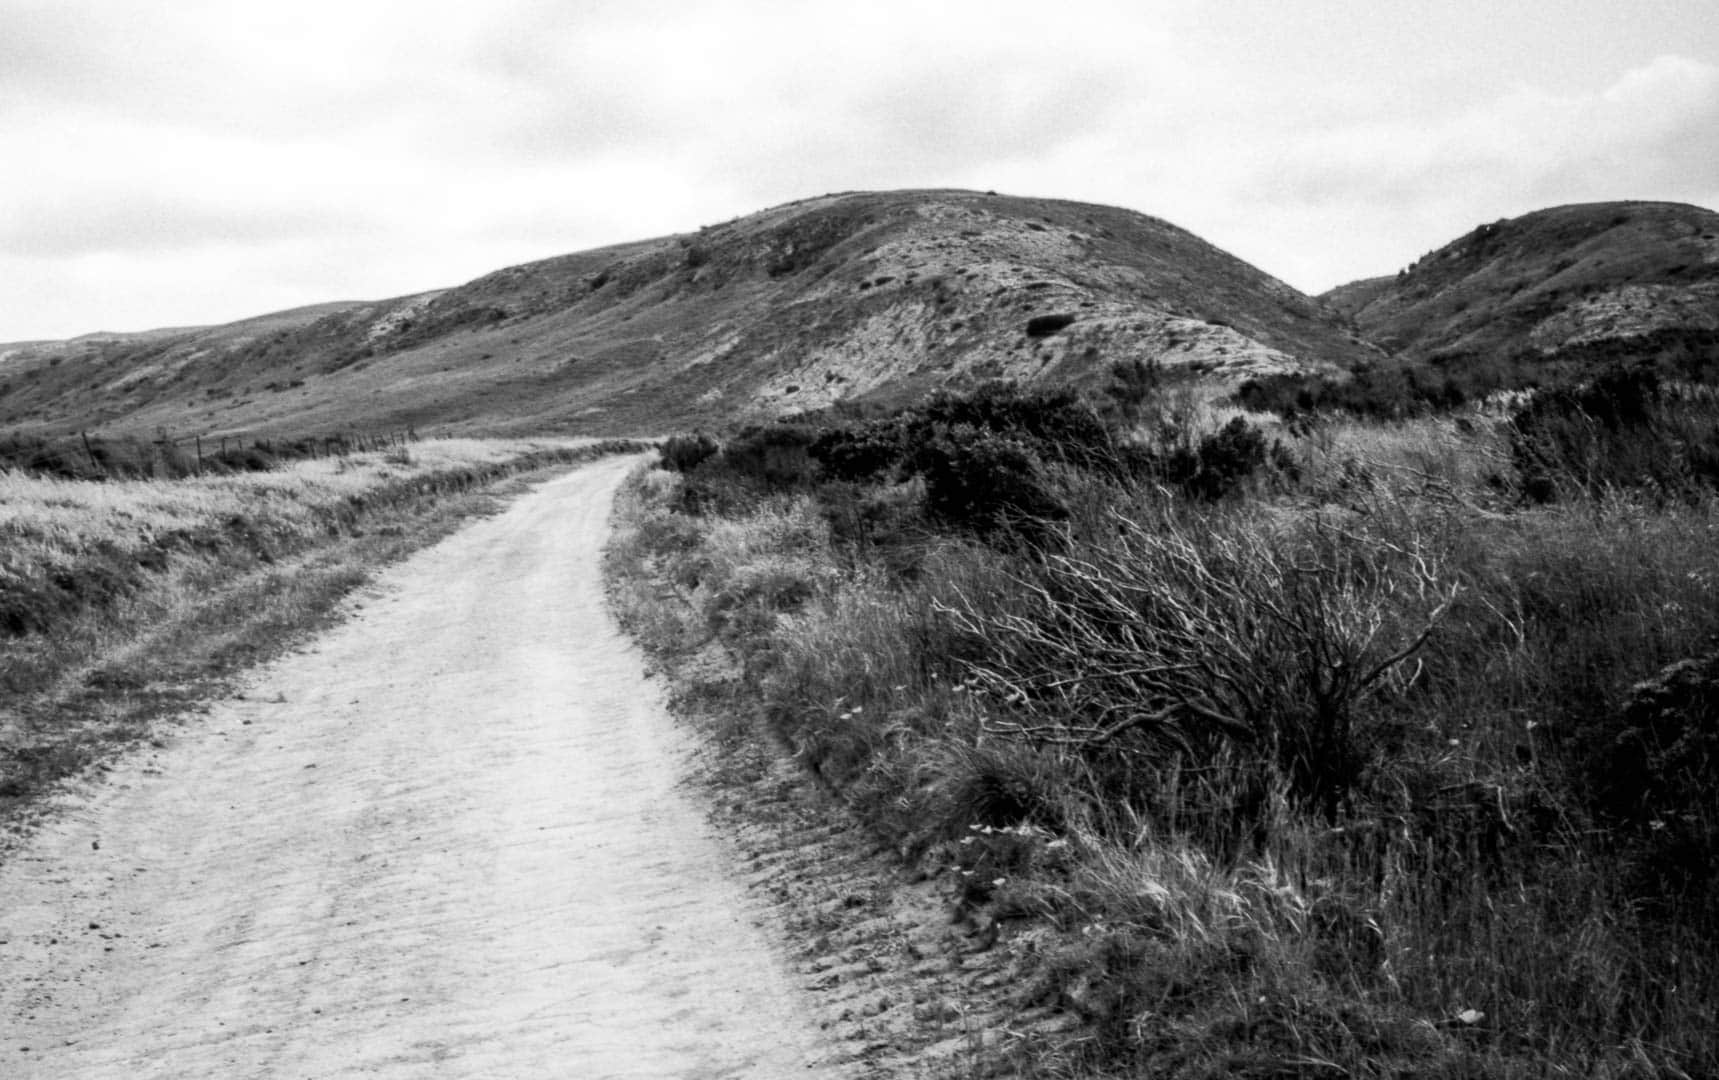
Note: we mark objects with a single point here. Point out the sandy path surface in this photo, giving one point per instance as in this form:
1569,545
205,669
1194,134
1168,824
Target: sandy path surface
446,840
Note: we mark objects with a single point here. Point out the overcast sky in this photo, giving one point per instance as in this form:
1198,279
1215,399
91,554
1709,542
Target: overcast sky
172,162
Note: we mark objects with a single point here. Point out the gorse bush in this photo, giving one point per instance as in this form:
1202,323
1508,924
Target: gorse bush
1221,463
775,455
867,451
683,453
1057,424
984,482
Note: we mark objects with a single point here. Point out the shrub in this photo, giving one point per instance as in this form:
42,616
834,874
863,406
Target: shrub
1133,384
256,459
984,482
777,455
1392,393
1621,430
1055,425
1158,643
1223,461
683,453
1654,772
862,452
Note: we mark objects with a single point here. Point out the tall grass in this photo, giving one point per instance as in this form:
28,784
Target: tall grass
1307,780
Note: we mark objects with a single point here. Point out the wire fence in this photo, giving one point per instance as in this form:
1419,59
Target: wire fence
92,457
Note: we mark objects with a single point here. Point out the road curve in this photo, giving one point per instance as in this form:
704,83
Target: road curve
445,840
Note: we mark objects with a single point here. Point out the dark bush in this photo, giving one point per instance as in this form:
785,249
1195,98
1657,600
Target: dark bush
241,459
26,607
778,454
1220,463
984,482
865,451
1056,425
683,453
1392,393
1621,430
1654,774
757,461
62,458
1133,385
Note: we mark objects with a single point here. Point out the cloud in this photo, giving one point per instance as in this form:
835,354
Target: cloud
153,222
1653,129
198,152
1368,195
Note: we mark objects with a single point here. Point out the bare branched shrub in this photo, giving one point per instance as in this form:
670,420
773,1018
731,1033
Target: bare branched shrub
1168,642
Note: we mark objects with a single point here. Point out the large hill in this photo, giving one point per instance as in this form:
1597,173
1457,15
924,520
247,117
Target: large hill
843,296
1547,281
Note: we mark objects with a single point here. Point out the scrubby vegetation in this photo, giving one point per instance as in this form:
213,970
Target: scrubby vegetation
1373,749
1449,381
122,600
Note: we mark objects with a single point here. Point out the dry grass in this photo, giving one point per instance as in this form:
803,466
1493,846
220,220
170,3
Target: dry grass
1453,908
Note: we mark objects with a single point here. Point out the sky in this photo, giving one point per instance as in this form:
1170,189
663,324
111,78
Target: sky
201,161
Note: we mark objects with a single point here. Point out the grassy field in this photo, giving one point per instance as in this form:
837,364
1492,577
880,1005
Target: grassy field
126,601
1330,754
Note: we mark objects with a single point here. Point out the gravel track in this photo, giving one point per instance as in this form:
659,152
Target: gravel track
447,839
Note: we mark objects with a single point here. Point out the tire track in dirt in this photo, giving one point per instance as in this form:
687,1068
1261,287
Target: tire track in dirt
447,839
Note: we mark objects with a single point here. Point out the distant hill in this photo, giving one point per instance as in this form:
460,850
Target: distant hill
845,296
1556,279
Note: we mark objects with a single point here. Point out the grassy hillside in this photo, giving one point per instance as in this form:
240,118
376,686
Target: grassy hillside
1567,276
844,296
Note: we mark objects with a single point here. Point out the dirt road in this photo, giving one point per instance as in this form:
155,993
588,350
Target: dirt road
446,840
